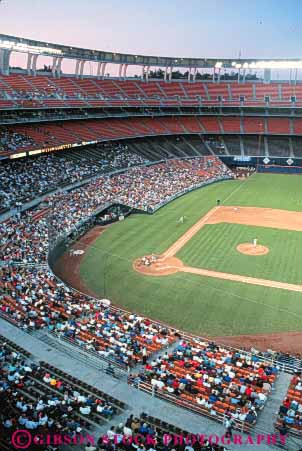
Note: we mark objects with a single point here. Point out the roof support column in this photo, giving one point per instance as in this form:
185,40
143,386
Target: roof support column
29,60
267,76
244,75
59,67
166,72
194,73
189,74
98,71
54,66
4,61
213,76
120,68
82,64
34,64
77,68
219,73
103,69
170,73
147,73
143,73
125,71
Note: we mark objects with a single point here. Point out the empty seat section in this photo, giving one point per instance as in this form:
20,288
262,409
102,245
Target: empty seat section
253,145
198,144
109,88
233,144
271,90
130,88
231,124
210,124
245,90
278,147
297,126
278,125
253,124
218,89
195,89
191,124
151,89
297,146
172,89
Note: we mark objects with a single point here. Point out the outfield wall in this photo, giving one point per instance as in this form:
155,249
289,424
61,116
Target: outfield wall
279,169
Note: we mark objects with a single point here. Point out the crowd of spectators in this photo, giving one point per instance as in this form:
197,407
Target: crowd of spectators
216,380
12,141
34,299
23,238
22,181
49,92
290,411
146,434
142,187
36,399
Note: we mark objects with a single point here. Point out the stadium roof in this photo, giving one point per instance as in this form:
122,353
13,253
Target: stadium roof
30,46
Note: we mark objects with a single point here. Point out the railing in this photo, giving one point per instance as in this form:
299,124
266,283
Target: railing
273,359
77,345
239,425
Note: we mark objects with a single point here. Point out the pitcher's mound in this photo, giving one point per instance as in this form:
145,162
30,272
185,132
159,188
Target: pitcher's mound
250,249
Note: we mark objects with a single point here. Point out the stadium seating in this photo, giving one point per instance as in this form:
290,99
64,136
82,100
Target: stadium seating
232,144
278,125
27,91
97,327
253,145
210,379
22,181
290,412
253,125
160,435
43,395
111,333
231,124
25,138
278,147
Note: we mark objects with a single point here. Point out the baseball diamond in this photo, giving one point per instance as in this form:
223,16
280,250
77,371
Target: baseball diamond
208,240
150,226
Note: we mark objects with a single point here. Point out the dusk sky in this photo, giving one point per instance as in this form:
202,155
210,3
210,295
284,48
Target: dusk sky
218,28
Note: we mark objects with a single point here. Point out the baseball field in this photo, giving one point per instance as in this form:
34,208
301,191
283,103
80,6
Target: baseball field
207,240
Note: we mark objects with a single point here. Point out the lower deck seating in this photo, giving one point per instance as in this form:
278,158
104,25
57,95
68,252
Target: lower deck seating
290,411
152,433
38,397
210,380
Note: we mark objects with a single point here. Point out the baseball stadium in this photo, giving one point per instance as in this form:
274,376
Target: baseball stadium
150,243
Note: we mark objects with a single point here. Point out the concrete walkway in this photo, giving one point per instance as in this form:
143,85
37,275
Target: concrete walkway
136,400
270,412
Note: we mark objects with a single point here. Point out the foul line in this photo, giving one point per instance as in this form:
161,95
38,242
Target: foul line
243,279
172,250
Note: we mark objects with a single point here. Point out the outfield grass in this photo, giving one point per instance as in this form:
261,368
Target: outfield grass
194,303
214,247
